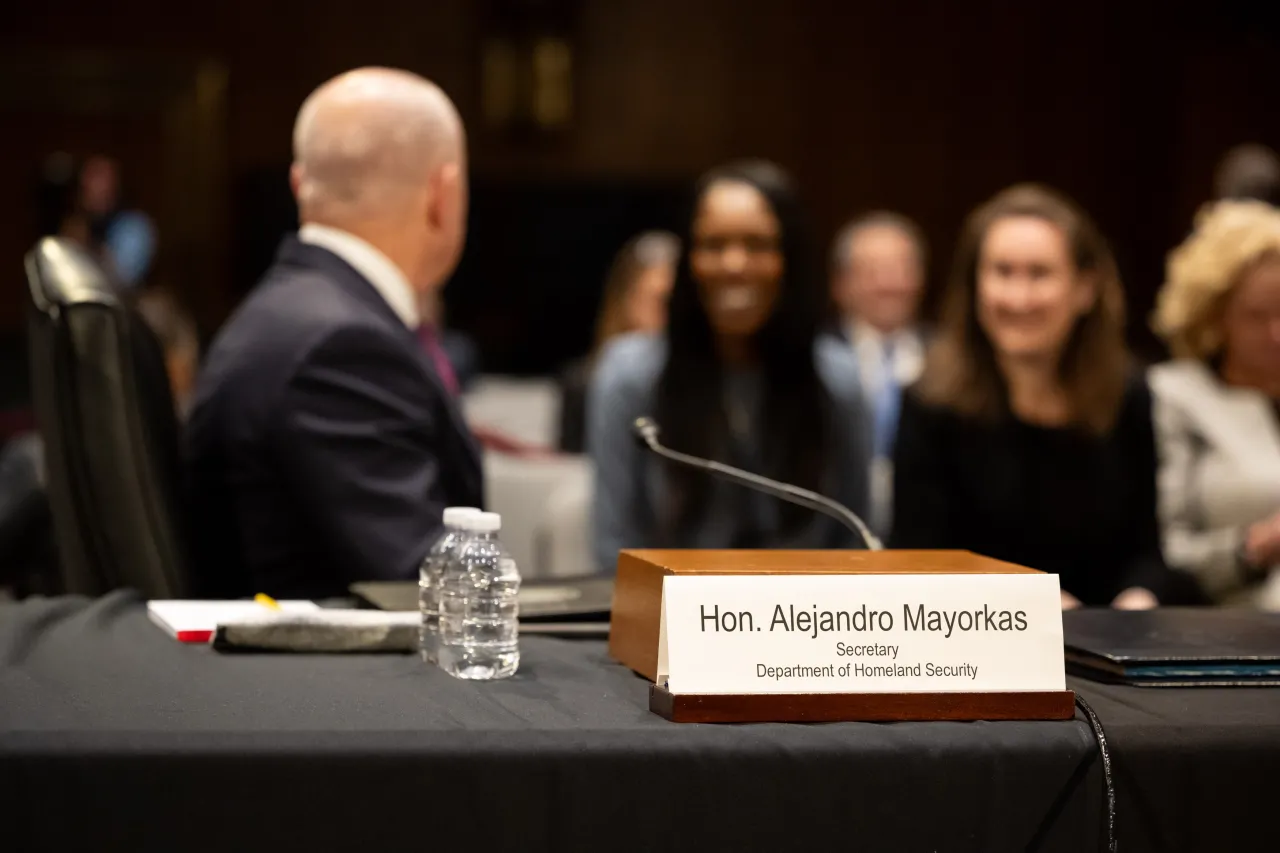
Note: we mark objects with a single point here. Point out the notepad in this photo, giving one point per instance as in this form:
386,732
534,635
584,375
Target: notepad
196,621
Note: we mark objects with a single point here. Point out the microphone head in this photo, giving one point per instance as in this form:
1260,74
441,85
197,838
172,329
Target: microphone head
645,430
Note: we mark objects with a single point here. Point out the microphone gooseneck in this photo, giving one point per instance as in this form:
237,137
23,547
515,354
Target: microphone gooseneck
646,432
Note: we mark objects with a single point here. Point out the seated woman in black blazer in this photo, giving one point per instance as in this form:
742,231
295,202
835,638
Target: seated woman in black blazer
1028,437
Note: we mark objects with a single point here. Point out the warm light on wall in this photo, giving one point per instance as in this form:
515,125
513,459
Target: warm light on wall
500,78
527,82
527,66
552,82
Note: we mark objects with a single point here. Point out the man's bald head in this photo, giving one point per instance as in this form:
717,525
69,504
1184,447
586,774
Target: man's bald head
367,140
379,153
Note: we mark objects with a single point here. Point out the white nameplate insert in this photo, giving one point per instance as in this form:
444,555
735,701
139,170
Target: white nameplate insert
926,633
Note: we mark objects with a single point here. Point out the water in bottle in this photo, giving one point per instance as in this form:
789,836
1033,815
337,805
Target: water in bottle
445,548
479,628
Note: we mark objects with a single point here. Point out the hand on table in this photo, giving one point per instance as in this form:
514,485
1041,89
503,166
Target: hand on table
1135,598
1069,601
1262,542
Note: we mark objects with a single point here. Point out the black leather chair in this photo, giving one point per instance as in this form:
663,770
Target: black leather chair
111,438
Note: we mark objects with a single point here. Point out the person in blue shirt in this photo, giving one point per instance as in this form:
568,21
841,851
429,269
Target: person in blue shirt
122,239
742,375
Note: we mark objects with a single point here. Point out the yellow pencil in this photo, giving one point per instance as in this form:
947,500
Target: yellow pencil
266,601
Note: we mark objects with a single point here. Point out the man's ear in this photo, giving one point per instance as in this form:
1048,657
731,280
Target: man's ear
295,178
445,203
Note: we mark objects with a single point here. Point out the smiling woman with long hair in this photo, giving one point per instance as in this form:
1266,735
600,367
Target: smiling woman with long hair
1029,436
742,375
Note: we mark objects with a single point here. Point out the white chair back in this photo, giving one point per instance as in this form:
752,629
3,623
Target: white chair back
527,410
545,511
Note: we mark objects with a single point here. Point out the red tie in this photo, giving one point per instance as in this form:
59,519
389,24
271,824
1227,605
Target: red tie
430,340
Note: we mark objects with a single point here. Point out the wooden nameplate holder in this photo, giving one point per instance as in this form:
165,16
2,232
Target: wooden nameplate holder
637,617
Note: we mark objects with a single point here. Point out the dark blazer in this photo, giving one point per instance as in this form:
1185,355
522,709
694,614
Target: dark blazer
321,447
1061,500
632,487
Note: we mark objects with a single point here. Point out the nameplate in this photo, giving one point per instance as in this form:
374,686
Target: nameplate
904,633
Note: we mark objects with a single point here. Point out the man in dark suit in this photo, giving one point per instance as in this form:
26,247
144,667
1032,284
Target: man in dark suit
324,442
877,283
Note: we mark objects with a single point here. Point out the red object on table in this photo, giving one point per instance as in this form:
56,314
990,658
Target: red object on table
500,442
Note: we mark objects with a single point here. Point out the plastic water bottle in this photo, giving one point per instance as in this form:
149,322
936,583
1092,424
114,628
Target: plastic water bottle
479,627
445,549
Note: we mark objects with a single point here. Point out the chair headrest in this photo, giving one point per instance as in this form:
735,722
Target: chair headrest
61,273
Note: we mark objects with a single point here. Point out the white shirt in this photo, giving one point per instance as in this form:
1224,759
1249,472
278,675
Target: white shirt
377,268
868,346
907,362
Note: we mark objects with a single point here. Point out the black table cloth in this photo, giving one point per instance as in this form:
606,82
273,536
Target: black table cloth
115,737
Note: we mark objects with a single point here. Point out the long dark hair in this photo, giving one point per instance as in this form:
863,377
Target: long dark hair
795,431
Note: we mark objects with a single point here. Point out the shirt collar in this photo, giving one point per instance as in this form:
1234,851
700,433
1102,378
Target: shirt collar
862,333
376,267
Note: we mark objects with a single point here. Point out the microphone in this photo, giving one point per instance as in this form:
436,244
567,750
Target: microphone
646,432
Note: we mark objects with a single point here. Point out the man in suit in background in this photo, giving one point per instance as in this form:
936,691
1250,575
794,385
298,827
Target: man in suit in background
877,282
324,442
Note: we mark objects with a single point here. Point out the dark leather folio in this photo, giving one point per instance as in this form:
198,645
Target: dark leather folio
549,599
1174,647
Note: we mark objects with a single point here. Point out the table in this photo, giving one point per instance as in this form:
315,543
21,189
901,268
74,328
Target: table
113,736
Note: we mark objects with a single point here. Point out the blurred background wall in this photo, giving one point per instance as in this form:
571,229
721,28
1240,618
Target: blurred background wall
924,107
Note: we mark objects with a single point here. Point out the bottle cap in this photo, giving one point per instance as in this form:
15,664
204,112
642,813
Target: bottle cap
455,515
484,522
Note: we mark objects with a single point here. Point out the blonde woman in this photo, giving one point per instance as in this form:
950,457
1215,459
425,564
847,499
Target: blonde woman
1218,404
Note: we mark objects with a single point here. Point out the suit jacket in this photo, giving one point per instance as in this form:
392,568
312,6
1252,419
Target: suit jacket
1059,499
1219,469
321,447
